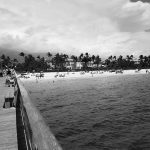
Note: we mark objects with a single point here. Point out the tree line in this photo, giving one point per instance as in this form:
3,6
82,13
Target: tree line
58,61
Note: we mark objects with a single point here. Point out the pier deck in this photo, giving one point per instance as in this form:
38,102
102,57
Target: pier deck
8,132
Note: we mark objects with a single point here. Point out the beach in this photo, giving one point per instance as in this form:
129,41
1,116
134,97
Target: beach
73,75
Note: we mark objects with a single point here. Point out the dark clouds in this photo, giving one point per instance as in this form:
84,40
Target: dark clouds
144,1
7,12
75,26
147,30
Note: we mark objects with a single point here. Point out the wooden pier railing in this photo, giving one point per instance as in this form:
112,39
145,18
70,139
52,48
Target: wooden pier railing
37,134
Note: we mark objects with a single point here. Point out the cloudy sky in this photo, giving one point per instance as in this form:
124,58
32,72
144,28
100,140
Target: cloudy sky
104,27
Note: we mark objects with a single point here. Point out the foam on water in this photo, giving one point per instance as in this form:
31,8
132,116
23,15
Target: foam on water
97,113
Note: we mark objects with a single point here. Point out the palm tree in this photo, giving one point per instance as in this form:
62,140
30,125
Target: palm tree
108,62
15,61
128,58
141,58
93,58
148,61
75,59
128,61
8,61
114,58
131,57
110,58
22,54
49,55
81,57
97,60
57,61
145,61
120,62
87,54
38,57
65,56
85,59
3,57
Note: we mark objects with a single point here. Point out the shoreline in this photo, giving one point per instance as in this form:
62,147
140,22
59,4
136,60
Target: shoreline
75,75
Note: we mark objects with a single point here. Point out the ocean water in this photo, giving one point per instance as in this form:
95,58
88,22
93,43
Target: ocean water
103,113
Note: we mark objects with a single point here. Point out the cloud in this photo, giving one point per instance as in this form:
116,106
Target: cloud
75,26
147,30
134,17
144,1
7,13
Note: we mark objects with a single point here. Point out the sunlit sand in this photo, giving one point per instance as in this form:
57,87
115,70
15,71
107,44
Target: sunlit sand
73,75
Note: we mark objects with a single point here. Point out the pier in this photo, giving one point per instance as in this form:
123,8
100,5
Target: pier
8,132
21,125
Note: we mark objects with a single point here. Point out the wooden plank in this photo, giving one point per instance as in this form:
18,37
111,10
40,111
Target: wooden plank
8,132
5,91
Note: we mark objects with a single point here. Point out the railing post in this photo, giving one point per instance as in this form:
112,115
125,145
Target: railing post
37,134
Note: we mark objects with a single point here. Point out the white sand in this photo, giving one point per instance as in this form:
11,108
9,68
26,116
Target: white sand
74,75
